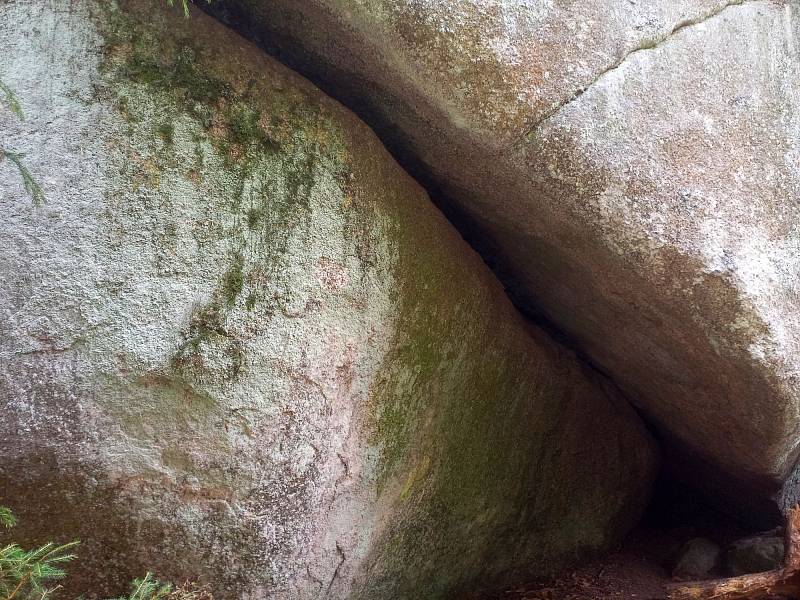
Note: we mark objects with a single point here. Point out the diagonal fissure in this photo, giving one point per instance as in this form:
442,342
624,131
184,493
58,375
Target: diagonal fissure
647,45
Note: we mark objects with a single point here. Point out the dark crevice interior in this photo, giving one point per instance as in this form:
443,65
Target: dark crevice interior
642,565
677,506
348,88
676,515
676,509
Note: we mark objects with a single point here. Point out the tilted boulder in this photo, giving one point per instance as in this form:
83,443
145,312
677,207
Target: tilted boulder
238,343
630,168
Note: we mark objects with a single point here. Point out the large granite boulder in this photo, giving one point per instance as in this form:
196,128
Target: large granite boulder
239,344
630,168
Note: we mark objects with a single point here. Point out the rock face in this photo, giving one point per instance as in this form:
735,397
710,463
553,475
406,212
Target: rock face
697,559
632,170
238,343
755,554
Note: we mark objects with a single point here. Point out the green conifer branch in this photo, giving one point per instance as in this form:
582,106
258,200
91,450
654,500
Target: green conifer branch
27,574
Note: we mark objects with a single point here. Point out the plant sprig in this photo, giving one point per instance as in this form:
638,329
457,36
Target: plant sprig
25,573
29,574
31,185
10,100
185,5
7,518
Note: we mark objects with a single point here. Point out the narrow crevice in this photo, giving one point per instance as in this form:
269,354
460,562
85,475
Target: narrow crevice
348,88
335,576
697,512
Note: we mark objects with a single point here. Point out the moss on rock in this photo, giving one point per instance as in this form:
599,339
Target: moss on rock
285,358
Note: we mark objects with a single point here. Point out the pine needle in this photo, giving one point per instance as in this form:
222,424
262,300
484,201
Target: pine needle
185,6
24,573
10,100
31,185
149,588
7,518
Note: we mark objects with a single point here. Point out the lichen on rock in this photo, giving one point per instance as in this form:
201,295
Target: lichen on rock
240,344
628,168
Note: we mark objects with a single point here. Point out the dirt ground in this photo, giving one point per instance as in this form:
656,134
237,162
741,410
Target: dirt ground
641,568
622,576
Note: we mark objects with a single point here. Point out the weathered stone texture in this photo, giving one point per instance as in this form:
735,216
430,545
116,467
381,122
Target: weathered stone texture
630,168
238,343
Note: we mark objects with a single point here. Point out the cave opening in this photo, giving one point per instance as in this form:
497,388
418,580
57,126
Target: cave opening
678,521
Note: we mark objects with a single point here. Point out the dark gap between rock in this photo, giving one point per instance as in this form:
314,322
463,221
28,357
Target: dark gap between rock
677,513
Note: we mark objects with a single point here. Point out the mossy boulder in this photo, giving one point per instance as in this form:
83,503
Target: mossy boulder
629,168
239,344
